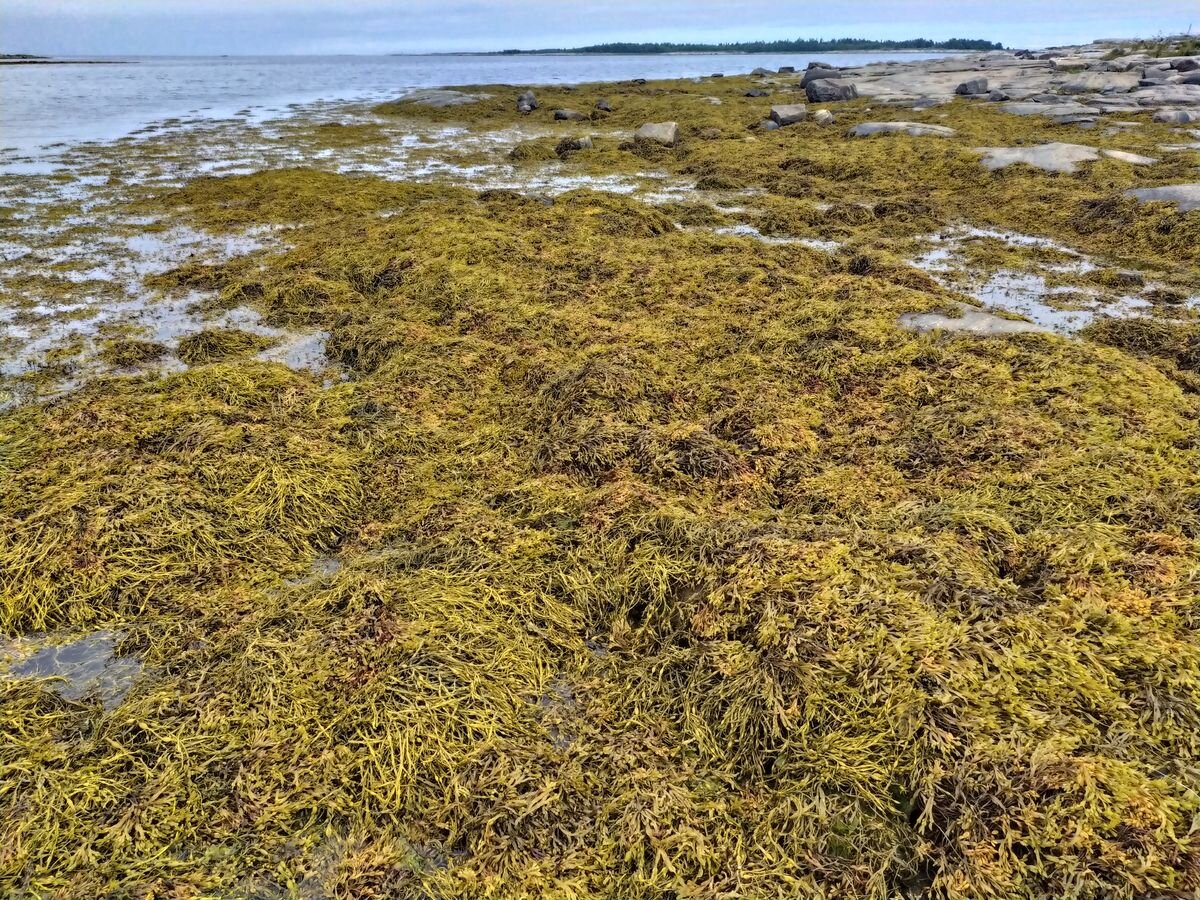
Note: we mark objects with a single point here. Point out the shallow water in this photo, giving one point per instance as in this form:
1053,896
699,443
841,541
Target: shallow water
75,669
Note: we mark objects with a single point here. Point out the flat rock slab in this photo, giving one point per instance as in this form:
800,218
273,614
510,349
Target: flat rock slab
1101,83
1185,196
442,99
665,133
1055,157
912,129
972,321
1053,110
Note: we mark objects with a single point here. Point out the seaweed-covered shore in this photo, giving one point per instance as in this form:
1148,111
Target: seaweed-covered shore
425,501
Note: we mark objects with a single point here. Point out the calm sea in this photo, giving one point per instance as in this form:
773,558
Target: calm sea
42,105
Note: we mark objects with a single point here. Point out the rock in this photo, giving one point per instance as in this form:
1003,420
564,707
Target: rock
569,115
1185,196
1058,111
527,102
926,103
830,91
761,71
972,87
789,115
665,133
997,96
913,129
757,92
819,65
768,125
1176,117
818,75
1101,83
1069,63
603,105
710,133
1169,95
573,145
1190,64
787,70
441,99
1191,78
823,117
717,75
1054,157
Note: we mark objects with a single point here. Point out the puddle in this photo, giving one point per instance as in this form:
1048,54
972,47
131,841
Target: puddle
76,670
1061,308
750,231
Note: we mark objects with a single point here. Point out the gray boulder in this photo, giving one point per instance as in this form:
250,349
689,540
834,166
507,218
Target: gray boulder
1191,78
761,71
1176,117
912,129
787,70
569,115
820,65
665,133
757,92
823,117
1190,64
527,102
998,96
768,125
972,87
790,114
817,75
830,91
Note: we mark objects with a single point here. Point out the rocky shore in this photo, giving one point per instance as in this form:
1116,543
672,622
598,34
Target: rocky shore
766,485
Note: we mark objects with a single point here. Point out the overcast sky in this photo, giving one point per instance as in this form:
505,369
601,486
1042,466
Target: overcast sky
375,26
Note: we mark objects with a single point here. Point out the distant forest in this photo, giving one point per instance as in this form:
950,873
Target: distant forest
799,45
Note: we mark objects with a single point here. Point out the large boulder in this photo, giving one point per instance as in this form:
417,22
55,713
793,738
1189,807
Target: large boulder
972,87
912,129
819,74
830,91
665,133
1176,117
790,114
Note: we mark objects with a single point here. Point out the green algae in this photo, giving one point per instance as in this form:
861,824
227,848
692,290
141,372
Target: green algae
670,564
215,344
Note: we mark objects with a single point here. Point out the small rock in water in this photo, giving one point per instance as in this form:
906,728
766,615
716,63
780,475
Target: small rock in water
823,117
789,115
665,133
972,87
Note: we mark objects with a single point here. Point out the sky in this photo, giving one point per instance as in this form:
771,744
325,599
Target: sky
116,27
